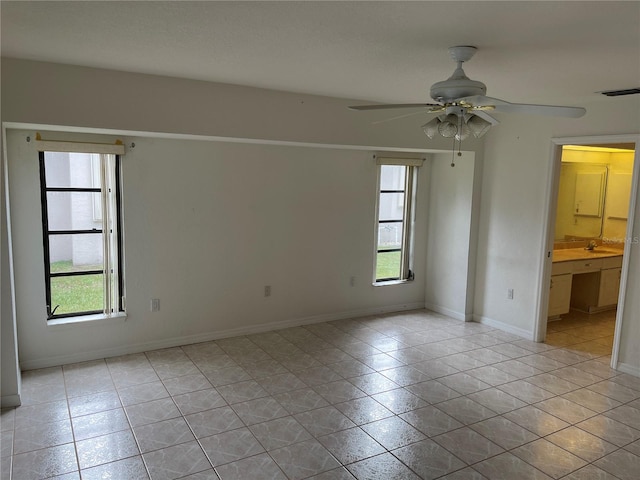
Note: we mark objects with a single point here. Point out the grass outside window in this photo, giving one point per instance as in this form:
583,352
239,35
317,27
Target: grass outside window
82,293
388,265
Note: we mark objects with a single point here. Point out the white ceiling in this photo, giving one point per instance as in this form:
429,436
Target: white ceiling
531,52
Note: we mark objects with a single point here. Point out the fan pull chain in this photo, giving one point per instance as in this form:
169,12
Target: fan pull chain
453,153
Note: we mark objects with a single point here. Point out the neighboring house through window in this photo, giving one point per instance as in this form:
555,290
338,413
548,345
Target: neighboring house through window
397,182
82,233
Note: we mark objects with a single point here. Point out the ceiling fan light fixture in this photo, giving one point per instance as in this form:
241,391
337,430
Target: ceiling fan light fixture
478,126
448,128
430,128
463,130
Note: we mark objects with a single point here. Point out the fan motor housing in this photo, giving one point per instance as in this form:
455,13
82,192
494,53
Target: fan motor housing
452,89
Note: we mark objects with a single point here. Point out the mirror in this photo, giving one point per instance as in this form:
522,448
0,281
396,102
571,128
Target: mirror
593,195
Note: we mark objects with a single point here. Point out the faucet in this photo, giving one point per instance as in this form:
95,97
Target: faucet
591,245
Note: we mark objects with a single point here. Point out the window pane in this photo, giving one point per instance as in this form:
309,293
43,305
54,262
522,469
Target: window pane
392,177
388,265
79,170
391,206
74,210
81,293
389,235
79,252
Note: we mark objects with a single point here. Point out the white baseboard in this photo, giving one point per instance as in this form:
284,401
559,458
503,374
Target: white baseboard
465,317
32,364
8,401
630,369
528,334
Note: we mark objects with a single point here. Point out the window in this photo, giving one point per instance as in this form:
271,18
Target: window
396,198
82,234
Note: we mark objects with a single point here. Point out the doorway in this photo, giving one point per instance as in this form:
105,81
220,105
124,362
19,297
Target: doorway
581,312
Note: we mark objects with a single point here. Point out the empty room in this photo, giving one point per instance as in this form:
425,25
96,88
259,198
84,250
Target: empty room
320,240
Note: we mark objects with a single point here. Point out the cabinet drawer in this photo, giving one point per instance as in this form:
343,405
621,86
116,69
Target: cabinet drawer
559,268
612,262
586,266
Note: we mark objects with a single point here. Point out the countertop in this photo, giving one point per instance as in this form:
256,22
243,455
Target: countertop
569,254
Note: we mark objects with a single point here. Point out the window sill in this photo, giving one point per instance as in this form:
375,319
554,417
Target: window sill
88,320
391,282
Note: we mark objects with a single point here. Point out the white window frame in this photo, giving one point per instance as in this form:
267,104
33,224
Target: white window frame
408,218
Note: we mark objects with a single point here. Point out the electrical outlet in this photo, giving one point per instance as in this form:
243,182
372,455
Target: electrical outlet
155,304
267,290
352,281
510,293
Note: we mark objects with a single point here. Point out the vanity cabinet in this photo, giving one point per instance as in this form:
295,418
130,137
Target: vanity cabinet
589,285
609,287
559,295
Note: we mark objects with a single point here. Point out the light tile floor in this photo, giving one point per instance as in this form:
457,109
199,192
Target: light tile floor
400,396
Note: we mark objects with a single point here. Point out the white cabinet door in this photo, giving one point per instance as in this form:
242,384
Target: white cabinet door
609,286
559,295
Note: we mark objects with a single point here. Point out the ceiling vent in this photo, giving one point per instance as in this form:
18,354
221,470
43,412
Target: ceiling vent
619,93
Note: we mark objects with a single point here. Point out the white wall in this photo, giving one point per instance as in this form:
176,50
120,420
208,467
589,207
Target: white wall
77,98
629,353
449,241
207,226
63,95
10,371
515,171
517,163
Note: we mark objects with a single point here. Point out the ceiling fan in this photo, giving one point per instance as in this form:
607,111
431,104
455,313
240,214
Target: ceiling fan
462,104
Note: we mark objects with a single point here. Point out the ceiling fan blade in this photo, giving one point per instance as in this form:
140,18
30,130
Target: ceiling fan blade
401,116
552,110
387,106
485,116
508,107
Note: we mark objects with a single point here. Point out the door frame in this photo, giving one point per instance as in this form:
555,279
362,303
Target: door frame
551,203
